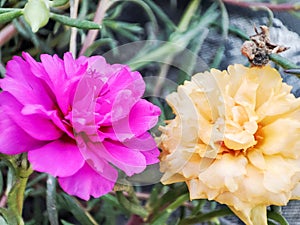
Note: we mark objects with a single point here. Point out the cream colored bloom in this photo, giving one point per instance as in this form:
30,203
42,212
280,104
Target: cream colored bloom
235,139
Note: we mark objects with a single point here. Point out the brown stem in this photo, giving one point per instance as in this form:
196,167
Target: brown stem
7,33
272,6
102,7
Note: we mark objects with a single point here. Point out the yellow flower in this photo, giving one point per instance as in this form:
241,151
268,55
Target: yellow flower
235,139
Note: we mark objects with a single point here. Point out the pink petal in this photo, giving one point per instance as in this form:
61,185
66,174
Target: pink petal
61,83
39,127
83,111
103,70
151,156
121,92
13,139
90,153
143,116
124,79
54,66
39,110
146,145
58,158
24,85
87,182
144,142
129,160
73,67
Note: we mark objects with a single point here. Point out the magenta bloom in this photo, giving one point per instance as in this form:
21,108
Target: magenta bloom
78,119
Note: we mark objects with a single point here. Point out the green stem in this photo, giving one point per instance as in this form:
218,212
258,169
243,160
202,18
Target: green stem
188,15
22,179
283,62
16,194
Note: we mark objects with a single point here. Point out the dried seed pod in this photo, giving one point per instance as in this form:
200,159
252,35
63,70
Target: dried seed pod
258,49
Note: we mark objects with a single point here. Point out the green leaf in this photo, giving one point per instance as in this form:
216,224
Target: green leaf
132,207
98,43
190,59
81,24
156,190
65,222
178,41
218,57
225,19
283,62
57,3
110,199
117,25
161,15
5,10
237,31
51,200
277,217
70,204
172,192
205,217
9,16
10,217
2,2
147,10
162,217
188,14
3,221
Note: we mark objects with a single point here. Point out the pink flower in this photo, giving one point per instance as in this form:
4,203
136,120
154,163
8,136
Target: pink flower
78,119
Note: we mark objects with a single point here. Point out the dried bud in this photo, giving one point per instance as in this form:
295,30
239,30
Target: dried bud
36,14
259,48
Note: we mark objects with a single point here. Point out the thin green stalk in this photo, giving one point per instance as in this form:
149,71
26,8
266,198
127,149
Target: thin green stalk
283,62
16,195
51,200
24,174
163,216
188,15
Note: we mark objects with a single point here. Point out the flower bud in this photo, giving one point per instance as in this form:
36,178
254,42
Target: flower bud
36,14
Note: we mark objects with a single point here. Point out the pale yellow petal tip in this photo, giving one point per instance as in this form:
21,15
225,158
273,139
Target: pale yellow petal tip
252,216
249,119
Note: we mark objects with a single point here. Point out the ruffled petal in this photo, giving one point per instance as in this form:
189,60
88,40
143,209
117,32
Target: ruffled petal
58,158
25,85
13,139
129,160
39,127
87,182
53,115
143,116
